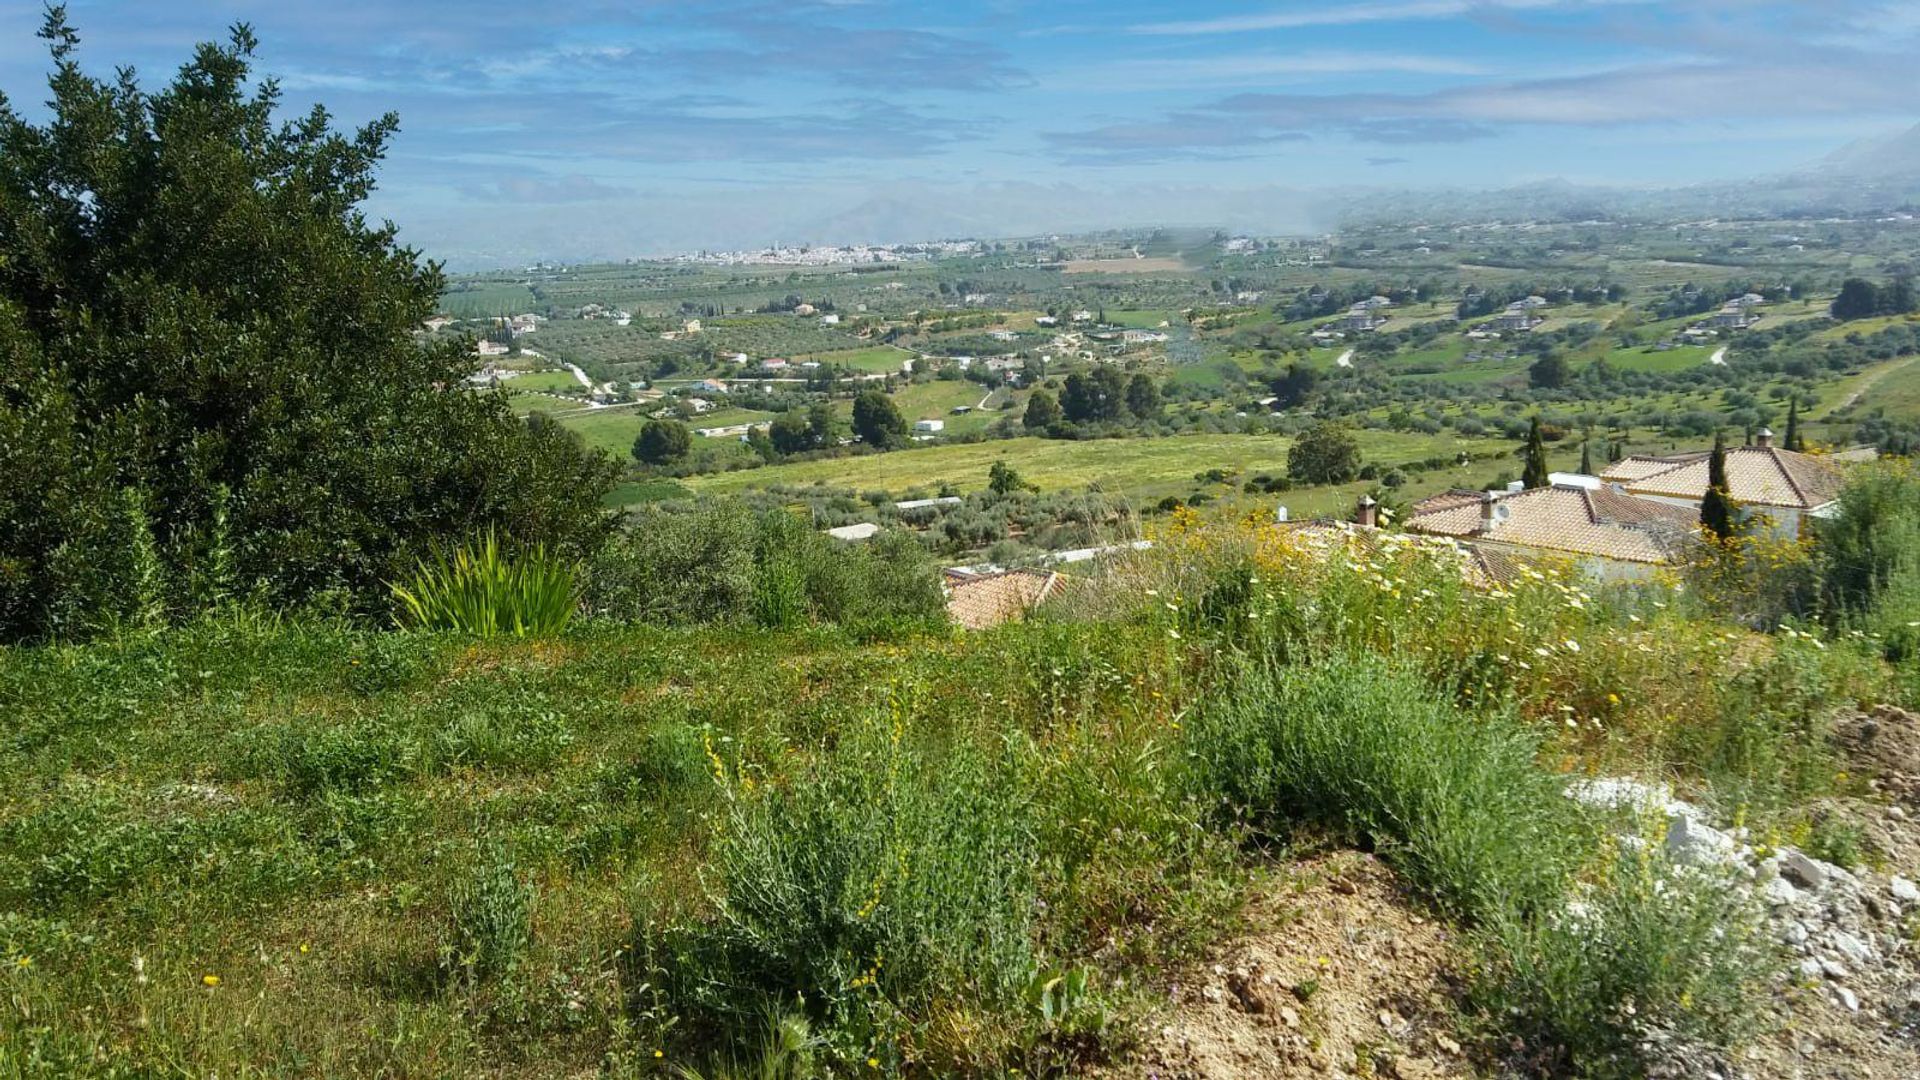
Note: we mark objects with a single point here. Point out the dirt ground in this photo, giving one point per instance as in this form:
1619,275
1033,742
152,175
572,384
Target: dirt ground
1335,974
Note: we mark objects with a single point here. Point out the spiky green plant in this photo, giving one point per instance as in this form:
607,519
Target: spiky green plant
482,588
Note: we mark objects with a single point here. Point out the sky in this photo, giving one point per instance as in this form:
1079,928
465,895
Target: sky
584,129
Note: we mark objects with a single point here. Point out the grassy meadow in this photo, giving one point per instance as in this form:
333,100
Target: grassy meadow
254,846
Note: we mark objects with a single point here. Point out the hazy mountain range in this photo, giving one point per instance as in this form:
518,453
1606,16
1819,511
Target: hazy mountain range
1870,174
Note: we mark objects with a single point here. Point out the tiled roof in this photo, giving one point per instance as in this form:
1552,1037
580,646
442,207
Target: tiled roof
1577,520
1757,475
978,601
1485,569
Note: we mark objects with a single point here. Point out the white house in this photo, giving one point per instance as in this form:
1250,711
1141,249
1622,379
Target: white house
929,427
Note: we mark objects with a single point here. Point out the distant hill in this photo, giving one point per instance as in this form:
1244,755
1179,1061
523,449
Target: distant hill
1883,156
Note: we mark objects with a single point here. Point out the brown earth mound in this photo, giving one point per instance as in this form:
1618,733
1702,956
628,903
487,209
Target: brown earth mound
1337,974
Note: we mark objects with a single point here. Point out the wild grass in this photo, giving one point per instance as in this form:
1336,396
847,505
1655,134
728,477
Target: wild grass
638,848
484,589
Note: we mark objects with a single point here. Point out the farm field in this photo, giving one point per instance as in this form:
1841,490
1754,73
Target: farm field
880,359
1137,467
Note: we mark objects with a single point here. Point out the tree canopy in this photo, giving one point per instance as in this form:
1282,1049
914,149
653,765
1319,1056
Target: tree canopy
206,349
1326,453
877,420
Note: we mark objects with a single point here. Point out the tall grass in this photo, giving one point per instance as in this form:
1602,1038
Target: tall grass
481,588
1588,959
1458,802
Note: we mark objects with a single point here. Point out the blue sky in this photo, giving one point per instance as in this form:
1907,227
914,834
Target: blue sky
590,129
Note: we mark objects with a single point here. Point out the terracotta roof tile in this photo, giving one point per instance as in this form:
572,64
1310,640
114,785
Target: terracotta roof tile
1756,475
1575,520
980,601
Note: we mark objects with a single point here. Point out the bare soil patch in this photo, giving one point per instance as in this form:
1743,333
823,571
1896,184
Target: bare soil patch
1124,266
1336,974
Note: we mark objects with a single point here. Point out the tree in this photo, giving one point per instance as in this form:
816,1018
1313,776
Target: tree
1793,441
1294,386
878,421
1550,372
1586,457
1004,479
821,423
1716,507
1858,299
791,433
1042,411
1077,400
1535,473
1143,396
197,317
1326,453
662,442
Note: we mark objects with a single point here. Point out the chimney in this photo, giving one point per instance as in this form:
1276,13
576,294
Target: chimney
1488,520
1280,514
1764,438
1366,513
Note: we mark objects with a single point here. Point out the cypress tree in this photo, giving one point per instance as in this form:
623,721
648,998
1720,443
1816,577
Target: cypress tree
1586,458
1535,473
1793,426
1716,508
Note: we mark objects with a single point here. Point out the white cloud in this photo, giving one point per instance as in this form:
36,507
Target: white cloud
1326,14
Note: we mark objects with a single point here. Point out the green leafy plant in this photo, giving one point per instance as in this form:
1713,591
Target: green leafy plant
482,588
490,920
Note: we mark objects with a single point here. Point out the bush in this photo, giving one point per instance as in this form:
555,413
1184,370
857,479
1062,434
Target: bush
1456,801
1651,953
483,589
720,562
884,877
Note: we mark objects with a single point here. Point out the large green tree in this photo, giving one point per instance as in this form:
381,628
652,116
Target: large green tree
1326,453
662,442
208,361
877,420
1716,506
1042,411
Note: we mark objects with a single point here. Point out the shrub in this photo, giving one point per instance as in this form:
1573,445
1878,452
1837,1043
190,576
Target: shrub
1651,953
1456,801
883,878
483,589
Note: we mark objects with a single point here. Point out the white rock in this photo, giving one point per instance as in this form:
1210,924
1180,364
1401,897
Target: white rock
1903,890
1811,968
1847,998
1802,870
1834,969
1851,947
1689,841
1779,893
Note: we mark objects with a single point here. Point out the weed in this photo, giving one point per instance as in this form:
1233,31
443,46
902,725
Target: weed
490,919
481,588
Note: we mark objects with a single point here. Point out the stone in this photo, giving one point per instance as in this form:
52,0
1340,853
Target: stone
1795,934
1903,890
1799,868
1811,968
1779,892
1693,842
1847,998
1851,947
1834,969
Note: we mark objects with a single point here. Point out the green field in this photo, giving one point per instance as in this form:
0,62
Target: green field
482,299
879,359
544,381
1141,467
